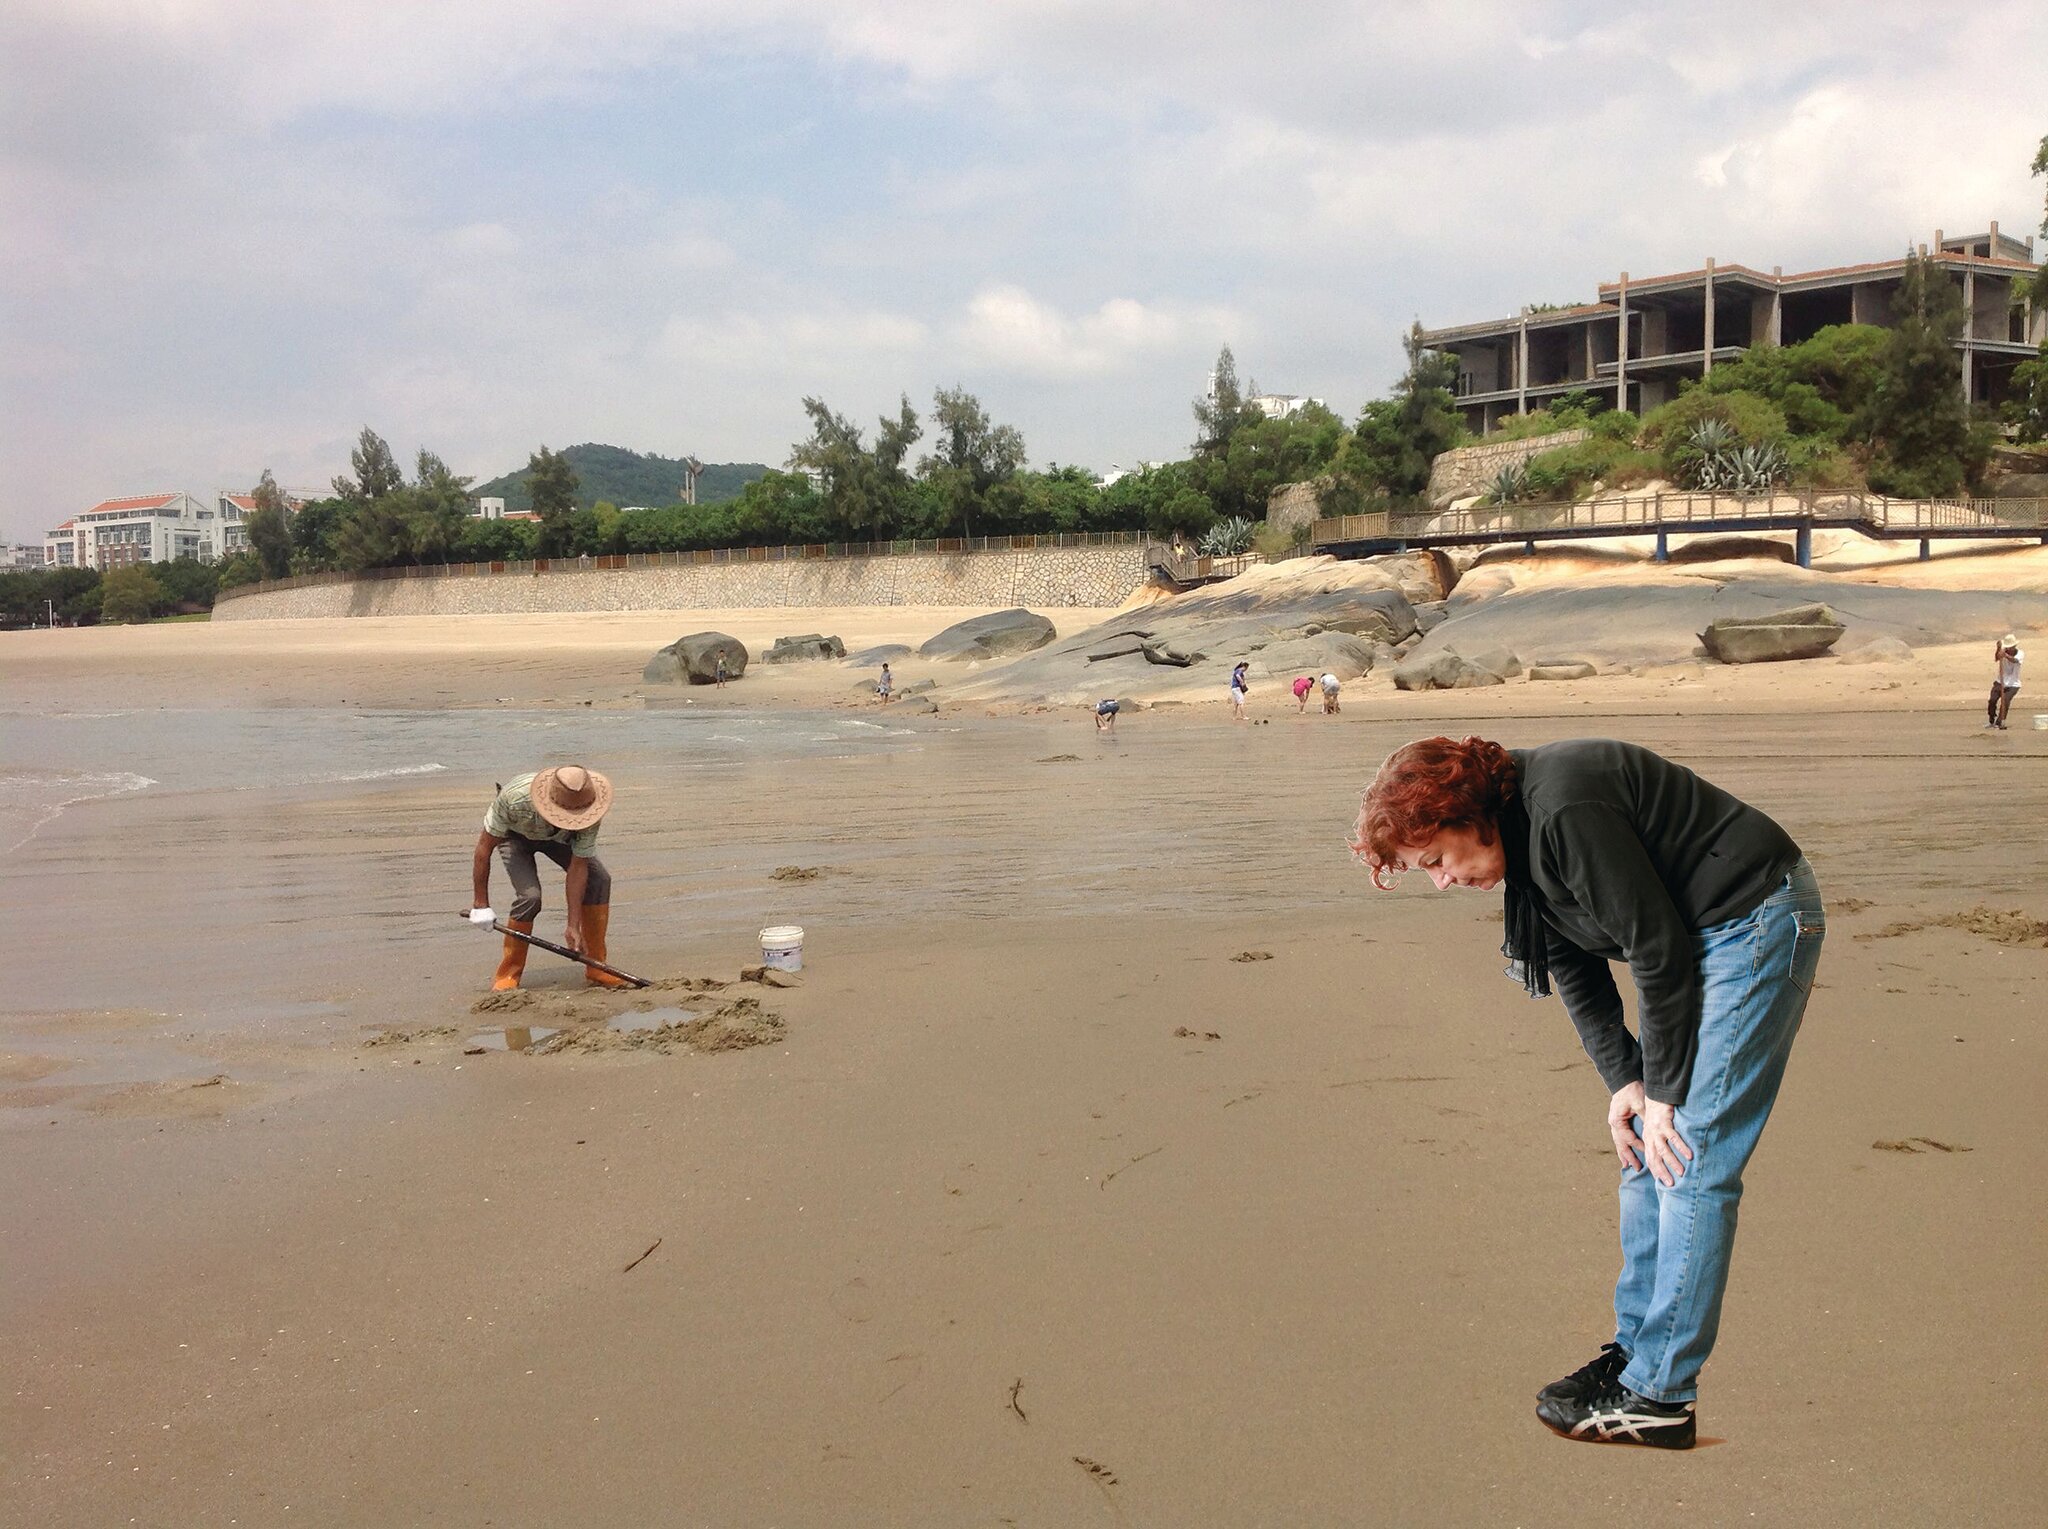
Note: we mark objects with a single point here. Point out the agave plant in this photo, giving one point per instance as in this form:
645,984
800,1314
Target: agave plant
1509,484
1711,449
1713,437
1228,538
1753,469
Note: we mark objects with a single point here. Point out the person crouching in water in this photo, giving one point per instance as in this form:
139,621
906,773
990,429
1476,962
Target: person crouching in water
554,813
1609,852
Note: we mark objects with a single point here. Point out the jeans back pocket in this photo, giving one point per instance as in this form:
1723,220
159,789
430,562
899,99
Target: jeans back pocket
1810,928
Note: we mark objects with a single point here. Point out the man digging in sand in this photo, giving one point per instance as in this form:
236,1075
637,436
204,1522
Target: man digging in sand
1609,852
2005,683
553,813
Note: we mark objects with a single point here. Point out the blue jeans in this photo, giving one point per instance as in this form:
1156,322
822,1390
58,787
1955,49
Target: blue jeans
1755,974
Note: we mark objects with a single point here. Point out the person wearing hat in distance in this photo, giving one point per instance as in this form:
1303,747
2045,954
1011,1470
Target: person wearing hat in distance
555,813
2005,684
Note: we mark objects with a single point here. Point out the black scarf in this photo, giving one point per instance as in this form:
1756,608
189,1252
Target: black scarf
1527,945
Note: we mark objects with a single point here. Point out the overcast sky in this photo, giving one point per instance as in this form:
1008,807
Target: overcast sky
234,231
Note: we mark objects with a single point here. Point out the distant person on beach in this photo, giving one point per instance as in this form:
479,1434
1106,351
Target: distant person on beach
721,669
1303,684
2005,683
554,813
1105,715
885,684
1608,852
1330,707
1237,690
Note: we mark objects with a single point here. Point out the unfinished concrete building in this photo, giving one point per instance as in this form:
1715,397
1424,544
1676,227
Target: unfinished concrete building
1644,337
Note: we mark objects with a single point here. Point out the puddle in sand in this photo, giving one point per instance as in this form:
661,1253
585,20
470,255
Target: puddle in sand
651,1019
511,1038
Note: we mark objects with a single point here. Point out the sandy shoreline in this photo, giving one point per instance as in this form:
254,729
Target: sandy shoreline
1308,1270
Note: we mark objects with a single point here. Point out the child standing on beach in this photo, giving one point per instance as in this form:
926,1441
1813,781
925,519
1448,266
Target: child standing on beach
885,684
1237,690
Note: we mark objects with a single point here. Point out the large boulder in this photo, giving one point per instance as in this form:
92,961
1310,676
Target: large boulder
1443,670
1339,653
1562,669
998,635
1805,631
693,660
811,645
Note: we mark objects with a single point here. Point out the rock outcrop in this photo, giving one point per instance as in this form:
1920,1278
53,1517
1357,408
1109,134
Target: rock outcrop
1002,634
811,645
1805,631
693,660
1443,670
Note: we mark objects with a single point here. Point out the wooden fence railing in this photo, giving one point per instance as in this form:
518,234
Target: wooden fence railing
1651,512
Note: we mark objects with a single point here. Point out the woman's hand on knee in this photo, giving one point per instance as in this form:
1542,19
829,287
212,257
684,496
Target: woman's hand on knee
1622,1111
1665,1148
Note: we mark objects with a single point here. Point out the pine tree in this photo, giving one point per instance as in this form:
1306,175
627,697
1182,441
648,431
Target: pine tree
1917,417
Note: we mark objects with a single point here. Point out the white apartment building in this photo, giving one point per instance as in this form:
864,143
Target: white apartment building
21,555
1281,405
144,528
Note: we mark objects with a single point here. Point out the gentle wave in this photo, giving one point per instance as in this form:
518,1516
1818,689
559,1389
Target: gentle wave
390,774
34,801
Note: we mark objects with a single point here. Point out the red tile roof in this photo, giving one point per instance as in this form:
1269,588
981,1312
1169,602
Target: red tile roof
241,501
136,502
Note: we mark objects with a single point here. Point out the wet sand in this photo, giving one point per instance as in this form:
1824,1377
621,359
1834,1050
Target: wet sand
1043,1208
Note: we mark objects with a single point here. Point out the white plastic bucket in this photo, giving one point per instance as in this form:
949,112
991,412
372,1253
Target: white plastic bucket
782,947
2041,721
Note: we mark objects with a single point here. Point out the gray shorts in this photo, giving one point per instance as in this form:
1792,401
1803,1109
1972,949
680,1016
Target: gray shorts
517,854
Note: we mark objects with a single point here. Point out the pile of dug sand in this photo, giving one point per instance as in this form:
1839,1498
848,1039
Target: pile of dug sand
592,1020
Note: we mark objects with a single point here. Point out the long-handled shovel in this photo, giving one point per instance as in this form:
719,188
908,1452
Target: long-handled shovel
562,950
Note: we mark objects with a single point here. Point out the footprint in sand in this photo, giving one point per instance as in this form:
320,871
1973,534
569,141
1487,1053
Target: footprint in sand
854,1301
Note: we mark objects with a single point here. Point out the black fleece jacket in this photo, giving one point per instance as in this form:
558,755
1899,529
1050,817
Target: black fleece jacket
1634,854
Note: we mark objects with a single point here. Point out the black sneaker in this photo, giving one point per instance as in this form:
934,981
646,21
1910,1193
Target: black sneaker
1619,1416
1589,1379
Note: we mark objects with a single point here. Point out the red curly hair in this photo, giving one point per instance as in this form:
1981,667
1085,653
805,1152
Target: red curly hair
1427,785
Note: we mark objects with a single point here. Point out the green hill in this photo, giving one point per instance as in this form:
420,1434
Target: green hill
628,478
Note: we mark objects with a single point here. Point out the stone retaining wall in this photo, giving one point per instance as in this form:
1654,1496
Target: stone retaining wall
1038,577
1466,470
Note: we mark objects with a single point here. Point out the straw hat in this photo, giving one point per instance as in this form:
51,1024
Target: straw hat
571,797
2009,641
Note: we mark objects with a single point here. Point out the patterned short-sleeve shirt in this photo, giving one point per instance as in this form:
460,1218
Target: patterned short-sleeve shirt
512,813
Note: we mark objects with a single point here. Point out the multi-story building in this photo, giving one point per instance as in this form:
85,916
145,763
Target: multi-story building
60,547
145,528
1644,337
1281,405
16,555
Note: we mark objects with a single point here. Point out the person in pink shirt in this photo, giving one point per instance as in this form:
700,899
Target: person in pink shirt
1303,684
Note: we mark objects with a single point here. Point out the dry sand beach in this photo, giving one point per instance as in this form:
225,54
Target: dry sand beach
1122,1158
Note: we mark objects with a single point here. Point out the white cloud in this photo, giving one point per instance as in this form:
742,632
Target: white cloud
1006,327
358,210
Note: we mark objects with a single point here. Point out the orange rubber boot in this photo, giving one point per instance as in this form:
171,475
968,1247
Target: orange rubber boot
595,921
512,964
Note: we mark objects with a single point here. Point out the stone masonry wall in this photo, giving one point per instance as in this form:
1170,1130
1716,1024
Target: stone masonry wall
1466,470
1042,576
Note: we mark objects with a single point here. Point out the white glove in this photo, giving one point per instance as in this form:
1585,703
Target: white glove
483,918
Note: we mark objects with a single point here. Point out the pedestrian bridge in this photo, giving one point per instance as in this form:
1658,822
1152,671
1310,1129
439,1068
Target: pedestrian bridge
1664,515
